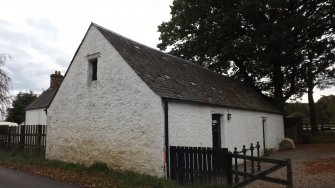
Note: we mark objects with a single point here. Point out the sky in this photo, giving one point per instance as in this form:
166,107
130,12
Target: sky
41,36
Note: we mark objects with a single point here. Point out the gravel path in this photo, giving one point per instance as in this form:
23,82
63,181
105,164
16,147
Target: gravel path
313,166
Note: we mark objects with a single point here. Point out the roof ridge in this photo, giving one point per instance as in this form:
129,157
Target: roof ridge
97,25
164,53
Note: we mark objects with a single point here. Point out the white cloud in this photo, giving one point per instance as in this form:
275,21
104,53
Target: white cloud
31,46
43,35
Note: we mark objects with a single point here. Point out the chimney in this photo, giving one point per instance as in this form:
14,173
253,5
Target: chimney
56,79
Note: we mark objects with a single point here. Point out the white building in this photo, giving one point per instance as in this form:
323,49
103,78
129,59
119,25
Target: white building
36,113
121,102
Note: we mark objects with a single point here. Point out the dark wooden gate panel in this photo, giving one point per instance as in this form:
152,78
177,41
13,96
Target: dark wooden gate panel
4,137
30,140
195,165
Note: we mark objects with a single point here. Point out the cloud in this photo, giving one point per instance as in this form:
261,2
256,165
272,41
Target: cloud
42,35
34,51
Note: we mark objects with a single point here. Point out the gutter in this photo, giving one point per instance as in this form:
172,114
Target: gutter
166,136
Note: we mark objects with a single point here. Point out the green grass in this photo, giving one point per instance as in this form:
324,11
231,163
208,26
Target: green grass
98,172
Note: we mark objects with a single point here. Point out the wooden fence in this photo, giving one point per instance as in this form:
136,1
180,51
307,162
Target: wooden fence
29,140
321,127
192,165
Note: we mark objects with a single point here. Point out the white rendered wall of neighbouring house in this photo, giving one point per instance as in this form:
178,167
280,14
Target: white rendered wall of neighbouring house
190,124
36,117
116,119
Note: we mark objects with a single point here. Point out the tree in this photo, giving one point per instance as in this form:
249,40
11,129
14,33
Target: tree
319,71
4,84
319,56
326,109
20,102
294,109
261,42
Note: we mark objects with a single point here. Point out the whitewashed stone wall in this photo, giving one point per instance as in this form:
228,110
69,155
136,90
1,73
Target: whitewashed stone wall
116,119
190,124
36,117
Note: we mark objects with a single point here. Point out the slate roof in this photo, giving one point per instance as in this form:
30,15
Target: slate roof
172,77
43,100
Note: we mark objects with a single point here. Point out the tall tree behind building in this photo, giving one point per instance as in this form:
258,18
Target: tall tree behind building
261,42
326,109
20,102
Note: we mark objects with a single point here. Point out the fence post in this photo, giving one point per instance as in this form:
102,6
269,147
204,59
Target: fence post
9,139
289,174
39,139
252,161
22,137
236,167
244,150
258,162
229,167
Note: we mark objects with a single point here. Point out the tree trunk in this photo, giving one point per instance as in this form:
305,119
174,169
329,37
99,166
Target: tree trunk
311,105
278,81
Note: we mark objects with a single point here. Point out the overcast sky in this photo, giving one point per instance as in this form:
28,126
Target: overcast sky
42,36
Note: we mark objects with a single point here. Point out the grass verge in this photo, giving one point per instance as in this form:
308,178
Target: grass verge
98,175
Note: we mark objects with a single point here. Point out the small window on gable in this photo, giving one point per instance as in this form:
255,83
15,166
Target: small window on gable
93,66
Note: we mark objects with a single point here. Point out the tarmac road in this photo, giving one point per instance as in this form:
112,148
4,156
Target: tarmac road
15,179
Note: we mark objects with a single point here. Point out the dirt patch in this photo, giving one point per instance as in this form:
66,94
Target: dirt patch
313,166
322,148
320,166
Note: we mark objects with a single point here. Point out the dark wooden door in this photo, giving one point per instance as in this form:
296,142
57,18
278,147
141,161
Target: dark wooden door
263,125
216,130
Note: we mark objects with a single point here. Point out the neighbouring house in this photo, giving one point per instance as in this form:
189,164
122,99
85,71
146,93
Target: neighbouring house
36,113
9,124
122,102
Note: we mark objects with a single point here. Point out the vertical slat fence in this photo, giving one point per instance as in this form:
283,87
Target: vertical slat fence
29,140
192,165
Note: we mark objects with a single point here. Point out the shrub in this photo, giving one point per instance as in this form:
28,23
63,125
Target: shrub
286,144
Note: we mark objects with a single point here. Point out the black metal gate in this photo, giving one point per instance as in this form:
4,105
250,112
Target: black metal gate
250,170
195,165
198,165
